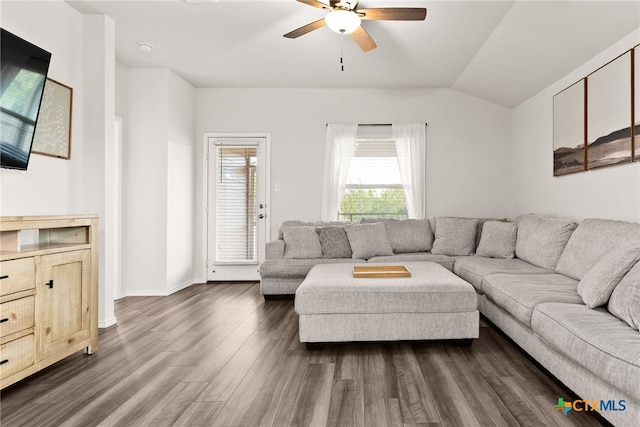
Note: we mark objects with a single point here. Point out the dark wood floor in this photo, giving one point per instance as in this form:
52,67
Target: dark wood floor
218,355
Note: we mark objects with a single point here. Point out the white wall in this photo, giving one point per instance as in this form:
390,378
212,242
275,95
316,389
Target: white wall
101,197
81,46
157,182
50,186
180,184
468,140
612,192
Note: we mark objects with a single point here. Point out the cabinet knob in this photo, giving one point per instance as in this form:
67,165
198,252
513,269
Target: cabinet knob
6,319
2,362
50,284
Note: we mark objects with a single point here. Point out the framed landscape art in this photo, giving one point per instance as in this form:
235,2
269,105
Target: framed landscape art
609,119
53,132
636,121
569,130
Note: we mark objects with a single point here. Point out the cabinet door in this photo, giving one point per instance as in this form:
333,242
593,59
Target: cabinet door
63,298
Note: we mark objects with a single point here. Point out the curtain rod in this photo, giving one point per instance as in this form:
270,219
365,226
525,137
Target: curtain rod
372,124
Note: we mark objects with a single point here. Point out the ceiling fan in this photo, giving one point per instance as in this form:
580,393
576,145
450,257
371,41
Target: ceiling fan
344,18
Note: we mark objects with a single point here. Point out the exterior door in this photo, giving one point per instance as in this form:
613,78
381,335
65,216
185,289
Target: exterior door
237,207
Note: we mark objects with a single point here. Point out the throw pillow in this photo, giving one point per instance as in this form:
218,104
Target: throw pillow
498,240
334,242
407,235
597,284
368,240
622,303
301,242
541,240
591,241
455,236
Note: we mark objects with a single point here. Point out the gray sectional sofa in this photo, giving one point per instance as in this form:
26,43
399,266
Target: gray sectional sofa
566,293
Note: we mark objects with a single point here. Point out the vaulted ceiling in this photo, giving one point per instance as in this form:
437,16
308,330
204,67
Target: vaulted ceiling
502,51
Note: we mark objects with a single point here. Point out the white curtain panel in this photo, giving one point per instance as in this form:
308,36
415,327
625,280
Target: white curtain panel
340,145
411,149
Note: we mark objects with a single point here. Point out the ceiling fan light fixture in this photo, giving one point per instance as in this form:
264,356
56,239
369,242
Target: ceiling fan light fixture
342,21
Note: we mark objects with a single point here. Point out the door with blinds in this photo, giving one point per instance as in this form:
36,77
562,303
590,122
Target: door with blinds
237,207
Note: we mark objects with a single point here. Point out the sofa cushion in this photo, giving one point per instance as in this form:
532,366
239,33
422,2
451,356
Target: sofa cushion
597,284
407,235
594,339
455,236
368,240
301,242
498,240
519,294
444,260
474,268
295,222
625,299
593,239
298,268
334,242
541,240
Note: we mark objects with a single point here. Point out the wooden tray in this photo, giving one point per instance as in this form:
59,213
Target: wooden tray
380,271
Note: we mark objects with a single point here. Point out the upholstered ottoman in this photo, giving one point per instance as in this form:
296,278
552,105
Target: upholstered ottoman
433,303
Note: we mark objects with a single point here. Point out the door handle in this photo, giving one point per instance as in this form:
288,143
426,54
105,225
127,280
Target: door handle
261,216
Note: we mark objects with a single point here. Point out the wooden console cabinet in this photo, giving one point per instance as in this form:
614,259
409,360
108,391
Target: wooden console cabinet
48,291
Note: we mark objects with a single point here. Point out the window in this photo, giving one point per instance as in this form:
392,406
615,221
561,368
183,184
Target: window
236,204
374,174
374,186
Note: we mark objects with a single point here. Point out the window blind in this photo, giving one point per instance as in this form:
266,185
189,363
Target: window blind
236,205
374,186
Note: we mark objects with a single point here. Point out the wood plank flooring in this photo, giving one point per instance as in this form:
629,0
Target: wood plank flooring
219,355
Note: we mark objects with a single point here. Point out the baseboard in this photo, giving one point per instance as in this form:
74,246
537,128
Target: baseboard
159,292
180,287
107,323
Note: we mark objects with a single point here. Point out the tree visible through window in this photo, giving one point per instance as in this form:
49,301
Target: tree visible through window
374,187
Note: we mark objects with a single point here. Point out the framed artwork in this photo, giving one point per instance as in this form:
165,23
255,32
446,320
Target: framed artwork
609,119
569,130
636,120
53,131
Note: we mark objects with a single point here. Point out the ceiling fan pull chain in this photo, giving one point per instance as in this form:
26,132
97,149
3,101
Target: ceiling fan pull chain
342,51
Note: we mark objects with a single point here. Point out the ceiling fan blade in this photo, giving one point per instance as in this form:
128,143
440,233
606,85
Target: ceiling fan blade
314,3
363,39
305,29
394,13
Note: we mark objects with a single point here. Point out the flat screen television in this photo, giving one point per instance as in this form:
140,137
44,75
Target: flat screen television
23,72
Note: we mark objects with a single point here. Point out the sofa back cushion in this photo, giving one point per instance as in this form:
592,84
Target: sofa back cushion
301,241
295,223
593,239
597,284
407,235
625,299
541,240
455,236
368,240
498,240
334,242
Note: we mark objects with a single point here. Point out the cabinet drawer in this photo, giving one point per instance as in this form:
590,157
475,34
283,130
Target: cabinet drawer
16,315
17,275
17,355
